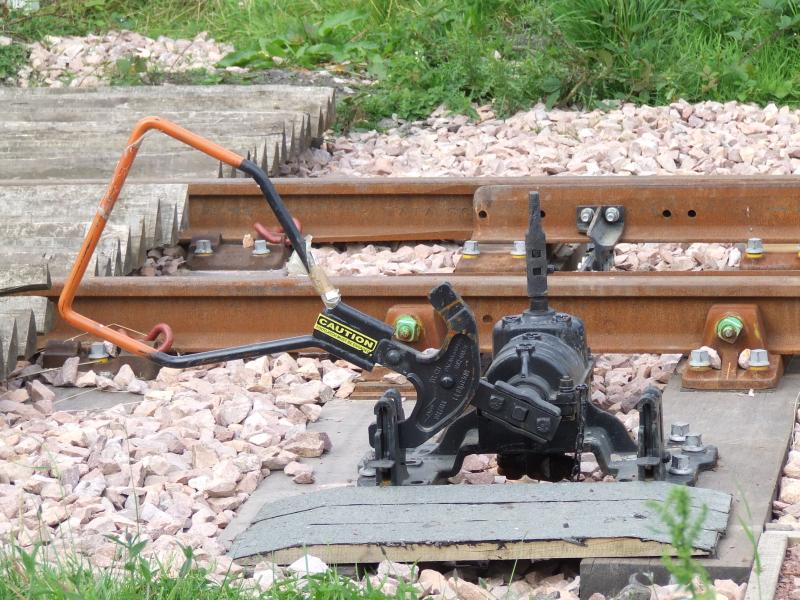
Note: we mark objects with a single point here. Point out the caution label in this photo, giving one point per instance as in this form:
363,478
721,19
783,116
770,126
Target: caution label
346,335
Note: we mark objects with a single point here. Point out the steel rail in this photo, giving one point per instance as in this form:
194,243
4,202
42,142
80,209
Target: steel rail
623,312
658,209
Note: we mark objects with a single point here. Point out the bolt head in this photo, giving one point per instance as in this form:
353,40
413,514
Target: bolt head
519,413
586,215
260,248
407,328
755,246
97,351
203,248
471,248
496,402
759,358
699,359
612,214
693,443
447,382
331,298
680,465
728,328
678,431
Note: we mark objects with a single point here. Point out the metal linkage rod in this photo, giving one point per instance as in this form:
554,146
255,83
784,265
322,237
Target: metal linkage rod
536,259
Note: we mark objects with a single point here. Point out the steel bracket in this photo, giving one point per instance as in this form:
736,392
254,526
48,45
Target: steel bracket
604,227
730,376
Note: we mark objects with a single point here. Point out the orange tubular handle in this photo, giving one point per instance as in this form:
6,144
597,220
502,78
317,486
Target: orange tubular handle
99,222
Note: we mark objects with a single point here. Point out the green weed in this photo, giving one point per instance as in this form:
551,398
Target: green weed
42,575
684,528
424,53
12,59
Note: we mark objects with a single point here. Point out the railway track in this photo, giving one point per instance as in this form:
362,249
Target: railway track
615,305
658,209
624,312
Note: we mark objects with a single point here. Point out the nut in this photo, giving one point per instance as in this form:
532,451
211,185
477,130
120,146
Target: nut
471,248
612,214
678,431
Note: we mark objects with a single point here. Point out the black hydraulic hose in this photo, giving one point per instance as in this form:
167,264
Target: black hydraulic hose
278,207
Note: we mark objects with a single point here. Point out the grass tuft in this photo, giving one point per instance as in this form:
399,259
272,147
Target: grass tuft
40,574
462,52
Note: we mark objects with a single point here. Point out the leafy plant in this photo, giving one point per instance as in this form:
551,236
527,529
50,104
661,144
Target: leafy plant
333,39
129,71
12,59
39,573
684,528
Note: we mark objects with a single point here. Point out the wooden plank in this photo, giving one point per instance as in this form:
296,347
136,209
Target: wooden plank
43,310
78,202
415,553
504,521
449,496
25,329
22,277
160,157
752,434
58,263
36,105
115,243
771,551
250,120
8,345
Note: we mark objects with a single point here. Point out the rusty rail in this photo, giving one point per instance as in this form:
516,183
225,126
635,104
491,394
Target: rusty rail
624,312
658,209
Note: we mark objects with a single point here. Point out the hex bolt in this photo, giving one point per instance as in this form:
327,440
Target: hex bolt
586,215
612,214
203,248
407,328
97,351
496,402
693,443
728,328
471,248
759,359
680,465
331,298
260,248
678,431
699,359
755,248
518,251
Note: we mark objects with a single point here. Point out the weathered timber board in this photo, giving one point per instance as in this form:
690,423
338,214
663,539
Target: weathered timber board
268,123
25,324
752,434
43,310
350,525
23,277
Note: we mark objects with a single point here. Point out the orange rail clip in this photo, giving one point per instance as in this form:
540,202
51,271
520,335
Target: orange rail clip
75,277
